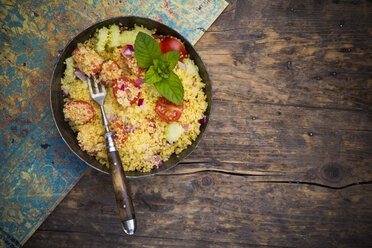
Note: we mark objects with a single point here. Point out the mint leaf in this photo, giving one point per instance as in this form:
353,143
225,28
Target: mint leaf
170,59
152,76
156,64
163,70
146,49
171,88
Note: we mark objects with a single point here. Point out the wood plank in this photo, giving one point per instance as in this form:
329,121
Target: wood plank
292,143
292,53
211,209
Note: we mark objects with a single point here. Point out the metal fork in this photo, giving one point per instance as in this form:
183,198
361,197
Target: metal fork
122,192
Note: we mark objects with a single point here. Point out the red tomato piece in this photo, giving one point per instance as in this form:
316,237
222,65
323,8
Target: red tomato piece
110,72
167,110
127,53
126,91
87,60
79,111
172,44
97,69
120,133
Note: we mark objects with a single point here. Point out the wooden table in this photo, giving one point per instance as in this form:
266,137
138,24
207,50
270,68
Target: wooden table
286,160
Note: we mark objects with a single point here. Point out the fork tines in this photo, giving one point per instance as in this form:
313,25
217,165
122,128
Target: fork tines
95,93
96,89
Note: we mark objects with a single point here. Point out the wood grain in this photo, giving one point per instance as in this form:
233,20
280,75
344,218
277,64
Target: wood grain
286,160
211,209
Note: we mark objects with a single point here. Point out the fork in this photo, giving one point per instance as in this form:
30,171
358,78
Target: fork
122,192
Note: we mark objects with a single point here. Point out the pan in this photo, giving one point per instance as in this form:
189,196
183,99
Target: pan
56,96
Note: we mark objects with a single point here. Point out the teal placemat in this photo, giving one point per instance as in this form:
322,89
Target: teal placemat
36,168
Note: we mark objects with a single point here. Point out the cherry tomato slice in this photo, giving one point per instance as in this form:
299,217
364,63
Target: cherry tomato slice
167,110
129,59
97,68
172,44
126,91
120,133
110,72
79,111
87,60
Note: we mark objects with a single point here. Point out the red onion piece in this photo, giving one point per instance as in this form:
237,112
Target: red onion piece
203,120
114,136
124,119
127,50
186,127
112,117
157,159
79,74
139,82
140,102
130,47
181,65
65,92
123,51
122,88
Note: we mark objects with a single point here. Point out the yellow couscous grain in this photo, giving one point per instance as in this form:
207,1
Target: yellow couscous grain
145,142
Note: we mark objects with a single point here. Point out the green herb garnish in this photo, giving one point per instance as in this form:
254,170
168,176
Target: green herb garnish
160,67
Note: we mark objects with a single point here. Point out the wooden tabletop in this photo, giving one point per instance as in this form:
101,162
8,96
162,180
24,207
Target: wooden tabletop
287,158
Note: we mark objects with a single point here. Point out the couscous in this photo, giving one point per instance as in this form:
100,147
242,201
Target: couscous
148,127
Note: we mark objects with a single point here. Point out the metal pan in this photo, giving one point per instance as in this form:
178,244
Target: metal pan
56,97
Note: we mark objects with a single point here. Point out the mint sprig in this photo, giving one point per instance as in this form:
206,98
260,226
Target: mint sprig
160,67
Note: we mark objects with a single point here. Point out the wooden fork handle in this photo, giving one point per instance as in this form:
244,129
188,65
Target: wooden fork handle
122,193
